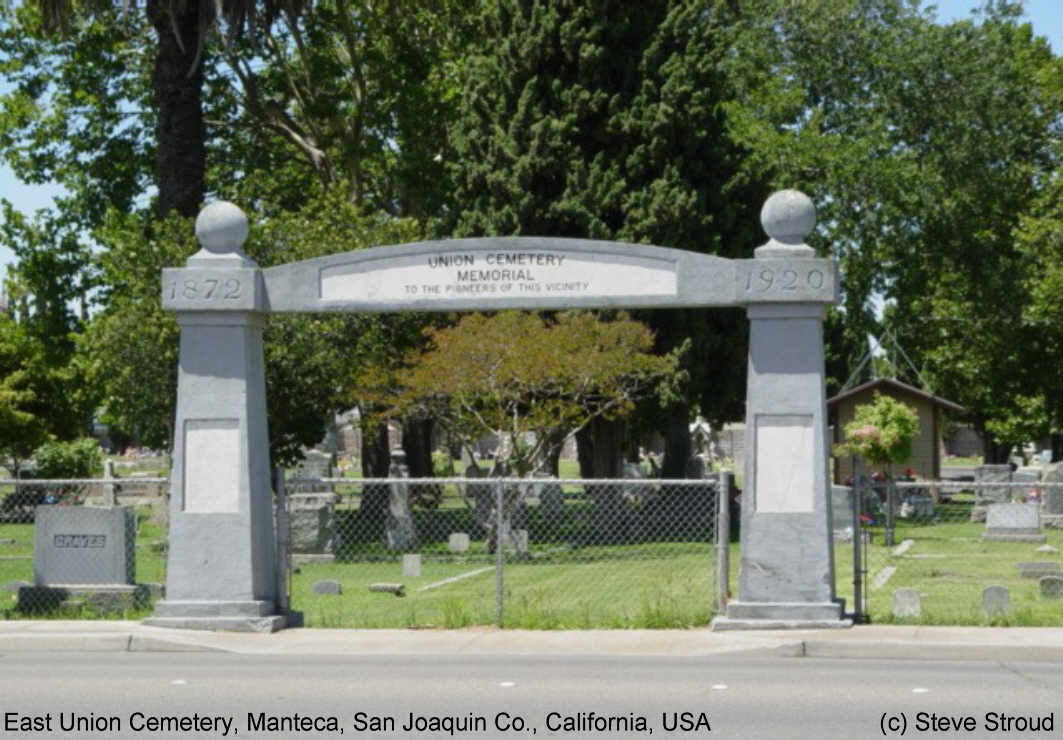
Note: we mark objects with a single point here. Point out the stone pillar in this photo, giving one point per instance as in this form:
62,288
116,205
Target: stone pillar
786,576
221,567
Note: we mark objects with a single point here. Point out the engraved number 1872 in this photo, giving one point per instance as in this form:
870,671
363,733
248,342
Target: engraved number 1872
205,290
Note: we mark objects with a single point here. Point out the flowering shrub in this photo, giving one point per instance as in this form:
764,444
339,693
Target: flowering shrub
881,432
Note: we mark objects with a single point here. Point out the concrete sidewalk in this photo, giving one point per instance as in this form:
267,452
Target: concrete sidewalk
870,641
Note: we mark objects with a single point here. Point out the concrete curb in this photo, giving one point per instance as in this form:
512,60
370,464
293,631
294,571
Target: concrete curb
97,643
883,642
931,651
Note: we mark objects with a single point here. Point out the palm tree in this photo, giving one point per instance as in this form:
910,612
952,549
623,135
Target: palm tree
182,28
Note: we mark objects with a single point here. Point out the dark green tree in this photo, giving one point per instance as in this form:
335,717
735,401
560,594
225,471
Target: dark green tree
923,144
586,118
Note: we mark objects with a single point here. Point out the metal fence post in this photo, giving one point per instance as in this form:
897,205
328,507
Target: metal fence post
890,498
858,604
723,541
498,550
283,534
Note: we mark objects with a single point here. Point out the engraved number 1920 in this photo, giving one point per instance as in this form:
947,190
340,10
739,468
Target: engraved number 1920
205,289
763,280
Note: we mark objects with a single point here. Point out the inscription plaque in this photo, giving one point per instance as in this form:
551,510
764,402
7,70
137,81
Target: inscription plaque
784,481
212,484
80,540
517,274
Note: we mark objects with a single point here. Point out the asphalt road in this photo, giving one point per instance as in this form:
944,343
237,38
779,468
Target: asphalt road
121,695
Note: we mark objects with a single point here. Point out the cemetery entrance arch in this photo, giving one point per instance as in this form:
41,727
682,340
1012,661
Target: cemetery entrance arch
221,569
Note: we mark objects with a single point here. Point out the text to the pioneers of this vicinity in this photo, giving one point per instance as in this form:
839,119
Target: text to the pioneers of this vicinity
357,724
503,274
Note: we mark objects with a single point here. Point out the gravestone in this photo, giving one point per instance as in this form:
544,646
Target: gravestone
907,603
328,587
1028,475
110,493
315,464
1013,523
841,506
411,565
996,601
990,494
84,545
1052,497
400,533
551,499
1038,569
312,527
84,551
917,506
1051,587
458,542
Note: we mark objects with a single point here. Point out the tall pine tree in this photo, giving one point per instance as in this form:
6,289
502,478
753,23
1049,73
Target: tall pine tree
604,120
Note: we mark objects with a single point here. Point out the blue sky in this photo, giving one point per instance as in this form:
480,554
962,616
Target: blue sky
1046,16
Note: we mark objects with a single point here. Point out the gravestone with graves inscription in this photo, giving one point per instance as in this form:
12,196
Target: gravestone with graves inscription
84,551
79,545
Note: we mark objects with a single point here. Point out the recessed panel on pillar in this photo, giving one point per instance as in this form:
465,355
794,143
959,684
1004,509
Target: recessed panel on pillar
212,484
784,458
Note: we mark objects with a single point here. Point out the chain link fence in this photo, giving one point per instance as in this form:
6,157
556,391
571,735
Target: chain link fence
927,551
533,553
82,548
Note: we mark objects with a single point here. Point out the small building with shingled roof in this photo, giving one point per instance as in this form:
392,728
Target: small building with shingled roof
925,460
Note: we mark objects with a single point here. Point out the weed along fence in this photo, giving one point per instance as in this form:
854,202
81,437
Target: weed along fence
952,552
531,553
84,548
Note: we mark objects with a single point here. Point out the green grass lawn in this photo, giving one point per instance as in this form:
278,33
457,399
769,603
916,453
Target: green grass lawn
949,564
649,585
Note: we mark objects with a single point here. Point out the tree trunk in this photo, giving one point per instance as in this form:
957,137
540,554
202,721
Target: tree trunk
1057,446
584,454
376,460
177,87
677,446
606,443
994,451
417,444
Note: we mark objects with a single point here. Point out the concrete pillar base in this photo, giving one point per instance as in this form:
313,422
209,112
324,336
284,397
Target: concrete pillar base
233,616
781,615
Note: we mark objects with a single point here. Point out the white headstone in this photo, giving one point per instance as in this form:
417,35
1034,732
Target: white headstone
995,601
907,603
411,565
458,542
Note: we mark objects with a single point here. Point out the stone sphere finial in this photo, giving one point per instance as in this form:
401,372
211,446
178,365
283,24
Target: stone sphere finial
788,216
221,228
